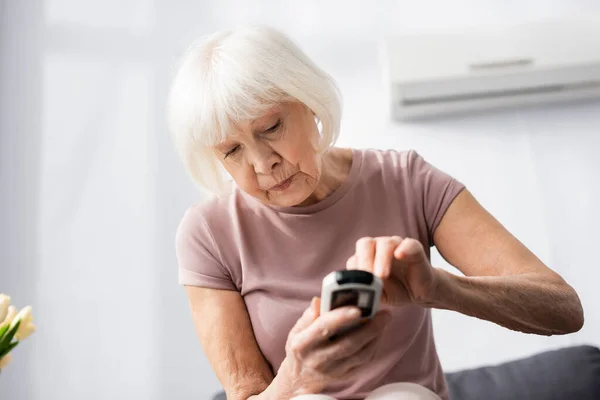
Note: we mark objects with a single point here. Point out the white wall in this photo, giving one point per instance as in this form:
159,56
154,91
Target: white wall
92,192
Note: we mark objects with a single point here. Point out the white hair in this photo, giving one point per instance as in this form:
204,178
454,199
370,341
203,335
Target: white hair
235,75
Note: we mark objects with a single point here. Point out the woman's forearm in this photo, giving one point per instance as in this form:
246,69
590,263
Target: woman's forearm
528,303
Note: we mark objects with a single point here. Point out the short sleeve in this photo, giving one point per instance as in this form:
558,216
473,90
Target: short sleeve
197,255
435,190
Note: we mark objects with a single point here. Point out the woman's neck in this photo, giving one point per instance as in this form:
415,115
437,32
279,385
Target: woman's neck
335,167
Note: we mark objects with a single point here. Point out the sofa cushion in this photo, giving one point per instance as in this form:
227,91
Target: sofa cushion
569,373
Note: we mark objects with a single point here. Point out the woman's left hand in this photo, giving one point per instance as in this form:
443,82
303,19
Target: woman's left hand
402,265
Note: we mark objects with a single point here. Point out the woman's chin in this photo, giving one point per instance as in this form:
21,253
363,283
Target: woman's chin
284,201
291,198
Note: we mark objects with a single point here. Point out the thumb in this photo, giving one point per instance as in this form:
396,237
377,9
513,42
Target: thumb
310,314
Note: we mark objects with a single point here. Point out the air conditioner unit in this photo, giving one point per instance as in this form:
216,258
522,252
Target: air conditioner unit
530,63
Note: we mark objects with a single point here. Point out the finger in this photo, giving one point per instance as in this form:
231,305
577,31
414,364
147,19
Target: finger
384,254
316,305
307,317
339,365
352,342
326,325
410,250
352,263
365,253
349,342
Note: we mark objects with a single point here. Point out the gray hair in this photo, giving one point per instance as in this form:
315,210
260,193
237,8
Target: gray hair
235,75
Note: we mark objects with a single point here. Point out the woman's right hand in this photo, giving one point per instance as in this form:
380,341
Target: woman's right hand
313,360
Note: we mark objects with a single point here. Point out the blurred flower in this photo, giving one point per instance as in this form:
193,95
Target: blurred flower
10,315
26,327
4,361
11,333
4,303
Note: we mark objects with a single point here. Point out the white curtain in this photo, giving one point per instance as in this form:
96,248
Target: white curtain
91,197
91,190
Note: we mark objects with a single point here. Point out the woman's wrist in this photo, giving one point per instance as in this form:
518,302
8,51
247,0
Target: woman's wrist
441,291
287,384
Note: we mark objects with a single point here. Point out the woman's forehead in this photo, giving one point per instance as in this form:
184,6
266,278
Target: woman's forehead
241,124
257,118
270,111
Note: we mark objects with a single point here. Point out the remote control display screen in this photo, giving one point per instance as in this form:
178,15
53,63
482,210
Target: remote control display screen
362,299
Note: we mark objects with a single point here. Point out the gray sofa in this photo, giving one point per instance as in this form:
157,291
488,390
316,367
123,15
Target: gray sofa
572,373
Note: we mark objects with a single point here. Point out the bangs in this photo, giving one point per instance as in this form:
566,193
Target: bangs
232,96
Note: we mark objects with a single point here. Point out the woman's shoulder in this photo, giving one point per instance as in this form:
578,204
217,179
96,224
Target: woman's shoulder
391,163
406,170
201,217
200,242
209,205
390,157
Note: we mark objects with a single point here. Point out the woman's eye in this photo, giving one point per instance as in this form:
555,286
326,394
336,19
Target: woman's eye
232,151
274,127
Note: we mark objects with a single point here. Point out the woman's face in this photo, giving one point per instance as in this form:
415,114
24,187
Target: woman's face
274,158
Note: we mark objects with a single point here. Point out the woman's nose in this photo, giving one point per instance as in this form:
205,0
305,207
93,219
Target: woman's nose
265,161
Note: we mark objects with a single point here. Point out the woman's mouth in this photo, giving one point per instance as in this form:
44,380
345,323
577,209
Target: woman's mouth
283,185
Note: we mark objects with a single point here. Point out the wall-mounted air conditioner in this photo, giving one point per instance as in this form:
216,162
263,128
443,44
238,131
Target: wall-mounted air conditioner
531,63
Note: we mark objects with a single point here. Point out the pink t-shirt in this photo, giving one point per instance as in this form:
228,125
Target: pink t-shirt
277,257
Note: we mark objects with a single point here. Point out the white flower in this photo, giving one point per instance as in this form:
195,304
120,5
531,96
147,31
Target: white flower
26,327
4,361
10,315
4,303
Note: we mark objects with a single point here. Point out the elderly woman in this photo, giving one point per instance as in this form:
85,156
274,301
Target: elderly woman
248,104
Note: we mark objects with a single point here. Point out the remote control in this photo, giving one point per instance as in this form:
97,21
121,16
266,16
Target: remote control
356,288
